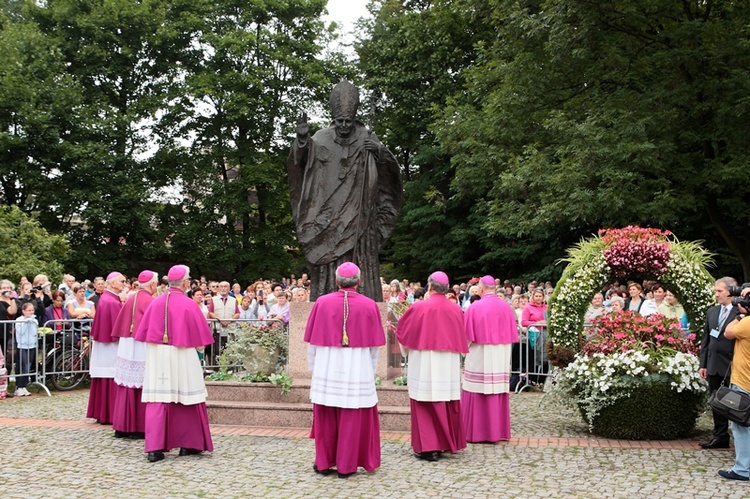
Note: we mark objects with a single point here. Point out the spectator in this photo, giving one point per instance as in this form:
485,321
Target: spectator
652,305
738,330
673,309
473,290
9,310
81,308
635,300
261,306
596,309
99,286
27,331
300,295
617,304
197,297
536,311
236,291
35,296
56,312
67,286
280,309
246,309
397,292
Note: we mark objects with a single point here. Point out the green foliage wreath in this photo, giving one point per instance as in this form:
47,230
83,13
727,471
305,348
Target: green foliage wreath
594,262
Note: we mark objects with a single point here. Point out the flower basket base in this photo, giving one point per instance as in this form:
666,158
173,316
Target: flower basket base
258,359
653,412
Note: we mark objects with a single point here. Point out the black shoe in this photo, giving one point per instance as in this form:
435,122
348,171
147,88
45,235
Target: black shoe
189,452
715,443
154,457
346,475
731,475
322,472
427,456
121,434
137,435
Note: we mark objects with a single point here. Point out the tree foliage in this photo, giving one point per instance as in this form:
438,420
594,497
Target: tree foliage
28,249
155,131
587,114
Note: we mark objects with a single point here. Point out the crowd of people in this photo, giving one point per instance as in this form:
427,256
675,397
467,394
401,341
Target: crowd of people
144,329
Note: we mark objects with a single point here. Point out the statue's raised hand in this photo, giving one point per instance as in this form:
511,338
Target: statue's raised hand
303,129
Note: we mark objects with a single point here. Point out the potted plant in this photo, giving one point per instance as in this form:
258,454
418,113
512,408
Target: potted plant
635,378
261,347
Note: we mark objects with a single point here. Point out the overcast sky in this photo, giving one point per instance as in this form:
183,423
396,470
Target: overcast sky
346,12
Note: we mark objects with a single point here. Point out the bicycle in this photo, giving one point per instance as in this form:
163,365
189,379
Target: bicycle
67,363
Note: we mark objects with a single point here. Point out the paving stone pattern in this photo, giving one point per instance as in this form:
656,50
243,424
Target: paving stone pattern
50,450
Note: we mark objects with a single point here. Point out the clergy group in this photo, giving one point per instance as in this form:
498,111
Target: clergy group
345,331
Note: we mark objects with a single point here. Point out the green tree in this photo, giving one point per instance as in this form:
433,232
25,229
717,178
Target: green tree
250,70
587,114
121,55
412,61
36,96
28,249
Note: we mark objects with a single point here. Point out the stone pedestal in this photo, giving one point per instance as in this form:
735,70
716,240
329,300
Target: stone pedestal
297,366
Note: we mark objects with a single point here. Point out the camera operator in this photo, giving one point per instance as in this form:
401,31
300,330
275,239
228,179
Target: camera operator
716,354
739,330
34,295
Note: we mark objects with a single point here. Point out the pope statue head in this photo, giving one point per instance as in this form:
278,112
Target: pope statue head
344,103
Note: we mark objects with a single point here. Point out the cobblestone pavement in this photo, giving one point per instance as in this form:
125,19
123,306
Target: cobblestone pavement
50,450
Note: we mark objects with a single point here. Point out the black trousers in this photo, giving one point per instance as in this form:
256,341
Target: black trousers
721,424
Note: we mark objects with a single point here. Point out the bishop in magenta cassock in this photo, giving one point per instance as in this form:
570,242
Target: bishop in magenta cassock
174,330
491,329
104,351
344,331
431,334
129,418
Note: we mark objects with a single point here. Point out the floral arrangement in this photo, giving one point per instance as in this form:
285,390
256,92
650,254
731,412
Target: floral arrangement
680,266
624,352
629,331
636,251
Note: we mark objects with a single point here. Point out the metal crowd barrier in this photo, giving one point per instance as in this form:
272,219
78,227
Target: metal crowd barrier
529,362
223,334
67,348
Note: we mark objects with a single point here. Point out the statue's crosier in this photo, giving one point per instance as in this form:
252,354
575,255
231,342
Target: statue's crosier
345,189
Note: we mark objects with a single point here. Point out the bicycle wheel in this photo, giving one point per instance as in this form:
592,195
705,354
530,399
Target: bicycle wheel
69,371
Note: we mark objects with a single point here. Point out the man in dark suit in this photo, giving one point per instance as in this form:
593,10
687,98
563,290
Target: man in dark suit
716,354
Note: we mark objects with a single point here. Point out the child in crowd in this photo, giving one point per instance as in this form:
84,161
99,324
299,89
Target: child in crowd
27,330
280,309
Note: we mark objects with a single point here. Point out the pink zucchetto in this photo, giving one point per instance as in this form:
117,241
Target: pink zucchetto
177,273
439,277
145,276
347,269
113,275
488,280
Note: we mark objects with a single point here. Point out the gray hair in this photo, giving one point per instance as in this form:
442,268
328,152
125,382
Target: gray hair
728,281
617,299
437,287
348,282
153,280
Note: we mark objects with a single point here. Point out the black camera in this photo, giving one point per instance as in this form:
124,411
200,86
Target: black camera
736,291
36,288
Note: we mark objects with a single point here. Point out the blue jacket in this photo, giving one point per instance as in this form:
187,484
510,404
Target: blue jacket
26,332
